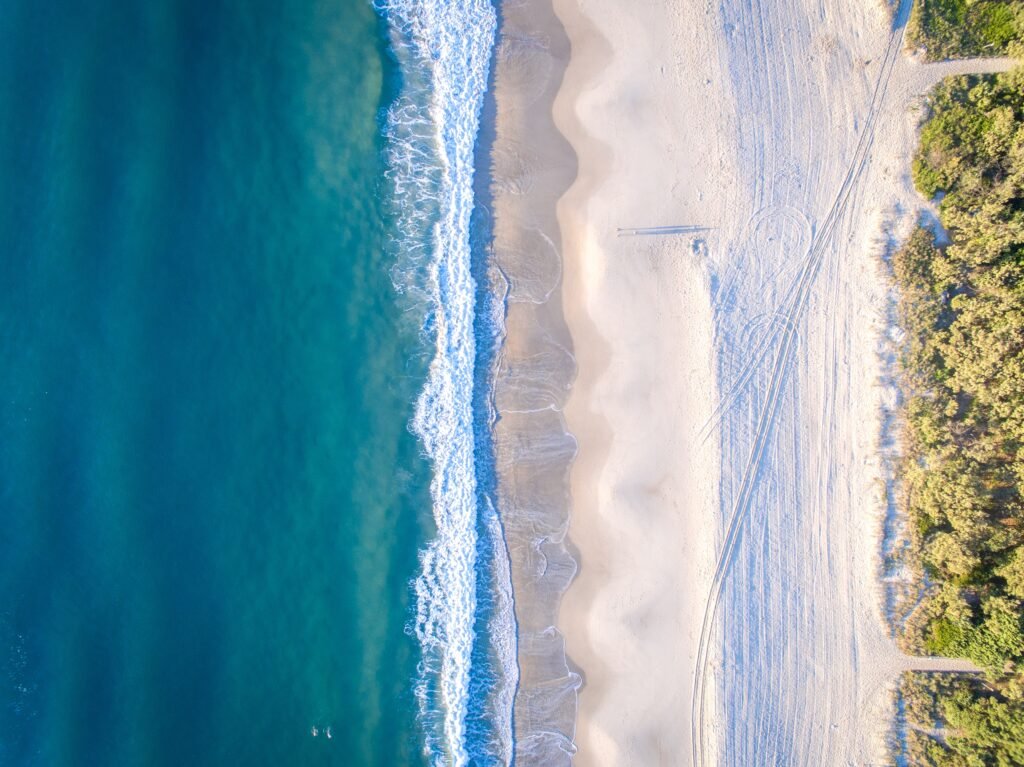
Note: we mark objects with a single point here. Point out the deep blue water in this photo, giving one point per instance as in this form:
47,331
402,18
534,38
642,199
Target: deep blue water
210,500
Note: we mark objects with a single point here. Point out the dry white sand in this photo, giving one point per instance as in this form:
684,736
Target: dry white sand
726,497
644,492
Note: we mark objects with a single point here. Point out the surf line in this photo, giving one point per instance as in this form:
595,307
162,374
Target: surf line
444,49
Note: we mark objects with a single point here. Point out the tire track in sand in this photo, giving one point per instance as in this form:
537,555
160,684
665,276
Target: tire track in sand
797,299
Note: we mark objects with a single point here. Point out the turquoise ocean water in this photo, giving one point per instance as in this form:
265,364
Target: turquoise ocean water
244,489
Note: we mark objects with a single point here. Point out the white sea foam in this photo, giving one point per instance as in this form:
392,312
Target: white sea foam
504,639
444,47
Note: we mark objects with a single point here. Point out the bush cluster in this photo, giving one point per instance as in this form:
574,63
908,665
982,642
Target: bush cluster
962,307
959,721
961,28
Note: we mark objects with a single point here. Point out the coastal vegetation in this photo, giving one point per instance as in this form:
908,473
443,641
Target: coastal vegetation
962,28
962,310
962,720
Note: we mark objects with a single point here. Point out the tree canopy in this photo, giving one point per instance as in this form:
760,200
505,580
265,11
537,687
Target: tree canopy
962,309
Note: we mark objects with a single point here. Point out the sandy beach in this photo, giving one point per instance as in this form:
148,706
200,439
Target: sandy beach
644,490
726,182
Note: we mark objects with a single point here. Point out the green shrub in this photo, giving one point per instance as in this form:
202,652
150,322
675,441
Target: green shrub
964,28
980,722
946,638
962,309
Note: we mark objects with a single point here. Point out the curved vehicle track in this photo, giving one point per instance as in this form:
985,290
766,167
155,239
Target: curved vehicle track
782,335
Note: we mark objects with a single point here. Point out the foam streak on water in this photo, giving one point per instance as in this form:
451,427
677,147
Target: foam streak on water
444,47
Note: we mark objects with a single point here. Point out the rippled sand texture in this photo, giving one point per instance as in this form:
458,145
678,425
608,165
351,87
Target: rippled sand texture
532,166
653,151
726,499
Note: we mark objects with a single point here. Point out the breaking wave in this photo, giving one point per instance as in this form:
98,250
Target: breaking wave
464,618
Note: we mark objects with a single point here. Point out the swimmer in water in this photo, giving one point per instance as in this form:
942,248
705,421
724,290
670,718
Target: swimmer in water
327,732
313,731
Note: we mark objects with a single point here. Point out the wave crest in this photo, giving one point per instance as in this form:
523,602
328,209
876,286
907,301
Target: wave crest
444,48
